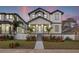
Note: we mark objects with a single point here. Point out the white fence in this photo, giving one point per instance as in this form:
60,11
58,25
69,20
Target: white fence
21,36
24,36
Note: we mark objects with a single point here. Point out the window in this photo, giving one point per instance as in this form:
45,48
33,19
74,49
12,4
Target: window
39,14
57,16
45,28
33,16
73,24
9,16
0,29
56,28
45,16
0,17
20,30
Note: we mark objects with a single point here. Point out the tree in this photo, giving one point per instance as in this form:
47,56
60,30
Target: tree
15,25
30,30
48,30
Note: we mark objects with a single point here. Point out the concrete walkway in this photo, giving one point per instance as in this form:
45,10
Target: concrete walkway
39,42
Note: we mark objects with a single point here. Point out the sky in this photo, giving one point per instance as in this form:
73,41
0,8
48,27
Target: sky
69,11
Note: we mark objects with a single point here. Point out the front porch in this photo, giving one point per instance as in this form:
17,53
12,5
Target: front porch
39,28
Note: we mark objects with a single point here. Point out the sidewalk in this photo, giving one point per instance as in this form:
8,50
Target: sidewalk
38,51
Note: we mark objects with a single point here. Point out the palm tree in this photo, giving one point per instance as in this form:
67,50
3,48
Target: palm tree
30,30
48,30
15,25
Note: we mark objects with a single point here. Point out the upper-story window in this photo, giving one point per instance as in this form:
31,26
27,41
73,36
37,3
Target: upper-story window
39,14
9,16
57,16
0,17
45,16
33,16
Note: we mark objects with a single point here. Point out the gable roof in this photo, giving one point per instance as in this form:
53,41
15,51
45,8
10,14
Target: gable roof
39,17
39,10
57,11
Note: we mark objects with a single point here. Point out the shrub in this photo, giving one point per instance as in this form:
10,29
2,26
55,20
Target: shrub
46,38
17,44
68,38
14,45
57,39
31,38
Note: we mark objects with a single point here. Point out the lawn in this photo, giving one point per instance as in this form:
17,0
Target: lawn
61,45
23,44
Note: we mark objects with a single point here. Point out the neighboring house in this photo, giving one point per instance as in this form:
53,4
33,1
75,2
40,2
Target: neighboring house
68,24
11,24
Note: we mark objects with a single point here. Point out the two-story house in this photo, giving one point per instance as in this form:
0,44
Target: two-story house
11,24
40,19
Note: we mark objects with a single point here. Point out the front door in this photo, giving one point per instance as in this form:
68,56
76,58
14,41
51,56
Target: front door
39,29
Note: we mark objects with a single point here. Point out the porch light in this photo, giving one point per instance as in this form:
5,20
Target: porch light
42,25
36,25
49,26
29,25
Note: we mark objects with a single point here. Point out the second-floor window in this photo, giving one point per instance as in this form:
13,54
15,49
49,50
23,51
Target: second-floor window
57,16
33,16
0,17
39,14
9,16
45,16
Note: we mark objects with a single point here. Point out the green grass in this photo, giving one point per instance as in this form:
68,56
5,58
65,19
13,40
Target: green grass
61,45
23,44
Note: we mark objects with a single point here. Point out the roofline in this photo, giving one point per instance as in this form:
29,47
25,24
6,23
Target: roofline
57,11
46,11
14,14
21,18
40,17
37,9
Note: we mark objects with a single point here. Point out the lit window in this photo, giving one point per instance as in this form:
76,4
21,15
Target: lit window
3,28
0,17
11,16
7,16
29,25
49,26
39,14
45,28
45,16
33,29
33,16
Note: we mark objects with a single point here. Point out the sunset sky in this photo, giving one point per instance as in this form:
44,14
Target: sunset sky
69,11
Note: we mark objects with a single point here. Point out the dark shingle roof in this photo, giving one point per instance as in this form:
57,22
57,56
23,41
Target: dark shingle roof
38,10
57,11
